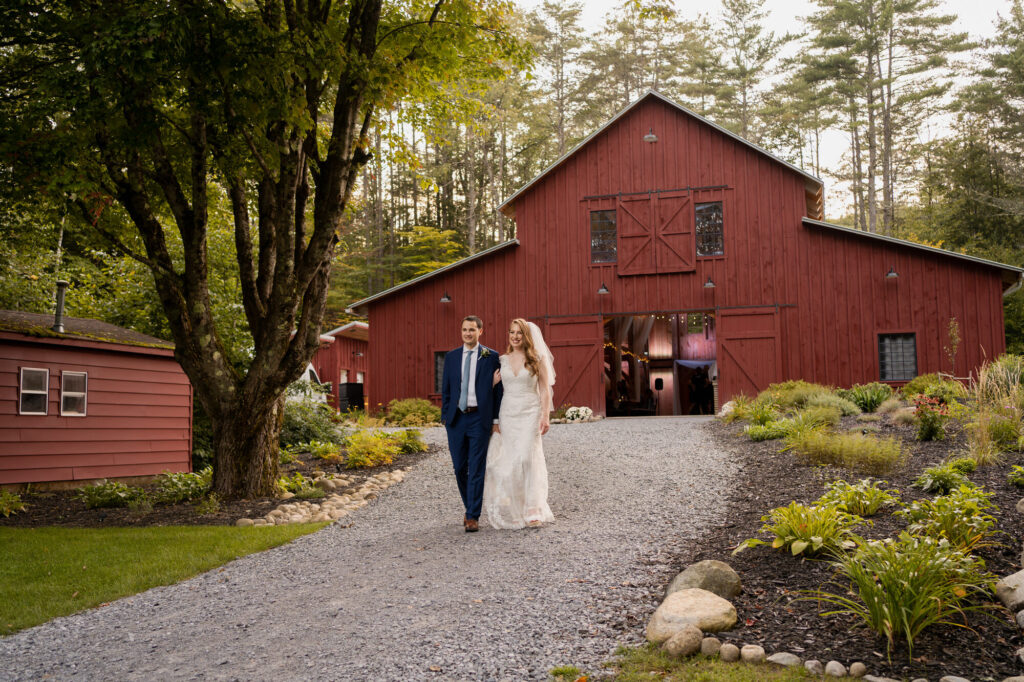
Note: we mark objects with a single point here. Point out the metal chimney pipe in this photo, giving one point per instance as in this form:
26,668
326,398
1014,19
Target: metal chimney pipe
58,318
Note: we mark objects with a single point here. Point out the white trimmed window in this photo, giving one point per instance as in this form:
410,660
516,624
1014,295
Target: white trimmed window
74,387
344,376
34,391
359,377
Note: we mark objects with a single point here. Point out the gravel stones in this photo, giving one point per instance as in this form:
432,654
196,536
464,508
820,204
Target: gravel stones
392,590
714,576
693,606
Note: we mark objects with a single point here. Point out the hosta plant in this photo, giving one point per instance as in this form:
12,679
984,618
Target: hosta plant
10,503
960,517
902,587
1016,476
183,487
940,478
110,494
866,497
867,396
806,530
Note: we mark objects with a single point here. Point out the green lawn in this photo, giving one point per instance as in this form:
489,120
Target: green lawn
50,572
649,663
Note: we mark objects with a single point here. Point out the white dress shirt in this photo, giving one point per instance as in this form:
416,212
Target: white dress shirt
471,400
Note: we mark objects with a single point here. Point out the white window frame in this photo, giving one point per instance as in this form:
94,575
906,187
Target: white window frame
343,378
360,376
84,394
22,391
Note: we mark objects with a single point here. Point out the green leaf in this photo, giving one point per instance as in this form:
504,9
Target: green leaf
798,546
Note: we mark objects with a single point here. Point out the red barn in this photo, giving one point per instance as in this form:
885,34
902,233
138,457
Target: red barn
670,262
94,401
342,361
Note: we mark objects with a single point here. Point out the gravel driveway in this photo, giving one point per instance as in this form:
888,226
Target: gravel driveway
403,593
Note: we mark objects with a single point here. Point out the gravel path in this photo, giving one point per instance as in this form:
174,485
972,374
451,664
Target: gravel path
402,593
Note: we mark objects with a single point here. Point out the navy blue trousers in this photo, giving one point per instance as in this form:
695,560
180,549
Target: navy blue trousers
467,441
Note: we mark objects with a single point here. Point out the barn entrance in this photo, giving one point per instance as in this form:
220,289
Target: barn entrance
660,364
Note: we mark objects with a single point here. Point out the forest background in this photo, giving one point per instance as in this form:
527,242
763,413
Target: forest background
883,74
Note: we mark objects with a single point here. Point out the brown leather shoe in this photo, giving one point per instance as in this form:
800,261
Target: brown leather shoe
472,525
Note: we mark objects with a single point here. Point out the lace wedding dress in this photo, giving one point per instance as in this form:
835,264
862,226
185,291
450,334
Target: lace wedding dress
516,481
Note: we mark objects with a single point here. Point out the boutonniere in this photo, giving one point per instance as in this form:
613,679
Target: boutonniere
484,352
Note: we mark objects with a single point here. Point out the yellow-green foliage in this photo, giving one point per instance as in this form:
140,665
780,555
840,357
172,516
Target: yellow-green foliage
960,517
821,415
741,409
10,503
905,416
369,448
413,412
1000,384
409,441
868,397
889,406
790,394
858,452
863,498
806,530
845,407
934,386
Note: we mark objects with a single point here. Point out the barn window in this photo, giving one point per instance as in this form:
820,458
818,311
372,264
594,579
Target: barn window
439,370
73,389
710,241
897,357
602,237
34,391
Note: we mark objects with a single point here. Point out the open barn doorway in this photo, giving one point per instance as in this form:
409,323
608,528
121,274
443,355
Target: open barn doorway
661,364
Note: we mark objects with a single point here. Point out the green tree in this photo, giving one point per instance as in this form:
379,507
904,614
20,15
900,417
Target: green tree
137,109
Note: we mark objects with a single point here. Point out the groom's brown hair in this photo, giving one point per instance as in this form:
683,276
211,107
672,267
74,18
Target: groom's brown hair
476,320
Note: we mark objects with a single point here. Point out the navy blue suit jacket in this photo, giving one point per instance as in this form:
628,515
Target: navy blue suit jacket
488,396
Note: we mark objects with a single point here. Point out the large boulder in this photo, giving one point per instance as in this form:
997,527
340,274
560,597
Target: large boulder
690,606
1010,591
716,577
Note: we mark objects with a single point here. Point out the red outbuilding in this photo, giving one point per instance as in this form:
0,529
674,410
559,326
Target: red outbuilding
341,361
672,265
92,401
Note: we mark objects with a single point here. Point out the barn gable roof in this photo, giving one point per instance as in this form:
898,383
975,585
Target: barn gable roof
361,305
1013,276
353,330
83,329
508,209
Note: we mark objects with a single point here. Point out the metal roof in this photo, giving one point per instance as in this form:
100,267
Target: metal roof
433,273
1018,272
653,93
352,330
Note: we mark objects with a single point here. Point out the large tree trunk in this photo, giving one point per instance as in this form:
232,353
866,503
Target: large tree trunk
245,443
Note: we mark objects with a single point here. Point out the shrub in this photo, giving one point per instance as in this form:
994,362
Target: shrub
109,494
919,385
740,409
1016,476
805,530
409,441
183,487
846,407
980,444
959,517
867,396
931,418
308,421
10,503
822,415
965,465
869,418
578,414
1000,384
940,478
367,449
902,587
208,505
769,431
294,483
946,392
762,412
863,498
311,493
905,416
790,394
889,406
858,452
413,412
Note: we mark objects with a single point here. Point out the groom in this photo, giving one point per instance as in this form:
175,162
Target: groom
469,410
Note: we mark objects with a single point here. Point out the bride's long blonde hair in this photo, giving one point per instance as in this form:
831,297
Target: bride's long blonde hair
532,363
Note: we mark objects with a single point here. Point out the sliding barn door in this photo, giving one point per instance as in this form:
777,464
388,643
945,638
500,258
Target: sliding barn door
577,343
749,351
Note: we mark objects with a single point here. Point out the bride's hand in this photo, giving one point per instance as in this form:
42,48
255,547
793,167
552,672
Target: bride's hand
544,426
497,377
495,429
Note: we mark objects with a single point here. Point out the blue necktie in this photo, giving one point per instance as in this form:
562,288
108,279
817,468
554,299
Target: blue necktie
464,393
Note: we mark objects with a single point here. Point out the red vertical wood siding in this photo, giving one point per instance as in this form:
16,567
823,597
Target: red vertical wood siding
138,417
332,358
828,288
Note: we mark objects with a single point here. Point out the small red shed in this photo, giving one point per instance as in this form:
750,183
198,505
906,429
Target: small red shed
342,360
673,265
94,401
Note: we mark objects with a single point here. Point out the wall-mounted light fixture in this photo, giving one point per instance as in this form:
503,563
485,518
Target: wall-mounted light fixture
892,274
651,137
603,291
357,354
709,284
446,298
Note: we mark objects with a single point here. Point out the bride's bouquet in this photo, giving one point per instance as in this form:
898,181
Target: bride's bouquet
578,414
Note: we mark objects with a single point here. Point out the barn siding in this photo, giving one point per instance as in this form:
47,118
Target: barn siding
828,288
331,358
138,414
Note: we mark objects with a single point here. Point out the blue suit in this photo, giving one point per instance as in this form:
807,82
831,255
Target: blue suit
469,433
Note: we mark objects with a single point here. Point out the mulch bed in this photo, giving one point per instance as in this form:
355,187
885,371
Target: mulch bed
62,508
770,613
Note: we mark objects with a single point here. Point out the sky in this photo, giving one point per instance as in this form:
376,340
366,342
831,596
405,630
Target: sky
977,17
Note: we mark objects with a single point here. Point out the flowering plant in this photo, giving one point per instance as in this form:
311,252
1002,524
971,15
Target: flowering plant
932,415
578,414
484,352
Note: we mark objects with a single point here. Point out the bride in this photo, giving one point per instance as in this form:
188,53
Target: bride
516,479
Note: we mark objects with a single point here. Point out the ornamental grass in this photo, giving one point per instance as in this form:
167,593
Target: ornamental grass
858,452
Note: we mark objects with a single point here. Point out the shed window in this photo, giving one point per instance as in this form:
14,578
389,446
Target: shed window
74,387
344,377
602,237
359,377
897,357
439,370
34,391
710,241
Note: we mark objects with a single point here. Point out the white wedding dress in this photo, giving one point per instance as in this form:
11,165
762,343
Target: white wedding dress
516,480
